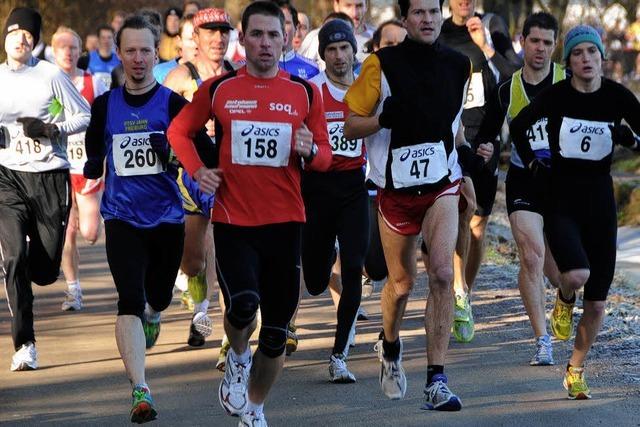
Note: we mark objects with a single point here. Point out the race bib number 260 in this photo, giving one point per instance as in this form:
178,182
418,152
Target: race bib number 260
260,143
133,155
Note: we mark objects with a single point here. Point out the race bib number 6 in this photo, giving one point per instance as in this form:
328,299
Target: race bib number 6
419,164
133,155
585,139
260,143
475,92
339,144
25,149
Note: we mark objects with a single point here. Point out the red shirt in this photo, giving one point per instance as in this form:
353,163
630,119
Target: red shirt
347,154
256,120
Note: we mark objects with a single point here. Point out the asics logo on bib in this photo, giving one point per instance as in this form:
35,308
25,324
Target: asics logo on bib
587,130
276,106
417,154
260,131
134,142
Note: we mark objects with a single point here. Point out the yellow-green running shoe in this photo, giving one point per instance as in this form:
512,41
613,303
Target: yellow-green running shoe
142,409
562,319
151,331
187,301
292,339
576,384
463,324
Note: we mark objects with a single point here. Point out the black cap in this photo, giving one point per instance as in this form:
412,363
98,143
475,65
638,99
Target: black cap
24,18
334,31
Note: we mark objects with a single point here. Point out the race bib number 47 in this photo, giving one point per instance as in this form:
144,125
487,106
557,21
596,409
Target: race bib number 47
339,144
419,164
260,143
133,155
585,139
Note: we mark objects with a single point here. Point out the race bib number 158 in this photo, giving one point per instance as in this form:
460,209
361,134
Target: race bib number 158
260,143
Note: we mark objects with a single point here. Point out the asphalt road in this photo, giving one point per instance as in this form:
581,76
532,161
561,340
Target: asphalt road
82,382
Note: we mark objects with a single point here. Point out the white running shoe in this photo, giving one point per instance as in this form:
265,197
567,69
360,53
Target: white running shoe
544,352
72,300
393,380
338,371
203,324
438,396
251,419
234,385
367,287
26,358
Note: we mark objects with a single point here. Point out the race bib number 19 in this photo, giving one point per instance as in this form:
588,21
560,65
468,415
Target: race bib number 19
339,144
419,164
260,143
76,153
133,155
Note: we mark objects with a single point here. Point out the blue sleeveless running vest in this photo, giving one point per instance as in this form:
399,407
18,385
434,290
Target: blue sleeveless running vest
137,190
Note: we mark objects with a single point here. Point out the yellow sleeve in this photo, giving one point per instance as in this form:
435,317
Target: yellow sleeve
363,95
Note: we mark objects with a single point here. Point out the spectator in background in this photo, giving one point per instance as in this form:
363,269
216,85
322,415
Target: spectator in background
389,33
191,7
301,32
632,80
117,20
290,61
91,42
170,39
633,33
187,48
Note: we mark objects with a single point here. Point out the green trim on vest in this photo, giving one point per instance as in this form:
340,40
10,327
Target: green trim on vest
518,98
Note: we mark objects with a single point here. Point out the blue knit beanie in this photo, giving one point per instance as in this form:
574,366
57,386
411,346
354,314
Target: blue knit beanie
580,34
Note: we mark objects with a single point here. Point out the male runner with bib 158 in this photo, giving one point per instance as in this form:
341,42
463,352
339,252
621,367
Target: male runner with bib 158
267,122
39,109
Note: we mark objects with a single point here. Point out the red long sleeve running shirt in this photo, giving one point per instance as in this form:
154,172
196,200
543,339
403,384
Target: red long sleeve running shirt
255,124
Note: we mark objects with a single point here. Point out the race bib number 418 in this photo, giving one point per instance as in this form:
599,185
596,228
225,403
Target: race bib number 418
25,149
260,143
133,155
419,164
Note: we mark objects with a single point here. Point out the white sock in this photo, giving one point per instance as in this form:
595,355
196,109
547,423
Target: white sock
243,358
201,307
74,286
151,314
256,408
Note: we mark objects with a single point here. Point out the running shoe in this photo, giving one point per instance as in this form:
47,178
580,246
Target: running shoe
252,419
292,339
196,339
438,396
544,352
222,357
338,371
187,301
232,392
72,300
562,319
26,358
575,383
142,409
151,331
393,380
362,313
202,323
367,287
463,324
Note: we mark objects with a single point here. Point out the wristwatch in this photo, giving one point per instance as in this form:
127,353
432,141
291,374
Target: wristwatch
312,154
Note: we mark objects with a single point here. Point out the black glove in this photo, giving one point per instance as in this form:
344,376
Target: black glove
390,112
160,145
34,128
541,171
471,162
93,169
5,138
622,135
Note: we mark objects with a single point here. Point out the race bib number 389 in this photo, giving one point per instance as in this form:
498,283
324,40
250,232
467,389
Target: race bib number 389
585,139
133,155
260,143
341,146
419,164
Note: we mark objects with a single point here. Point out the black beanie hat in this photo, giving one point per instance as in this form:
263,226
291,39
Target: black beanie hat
24,18
334,31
